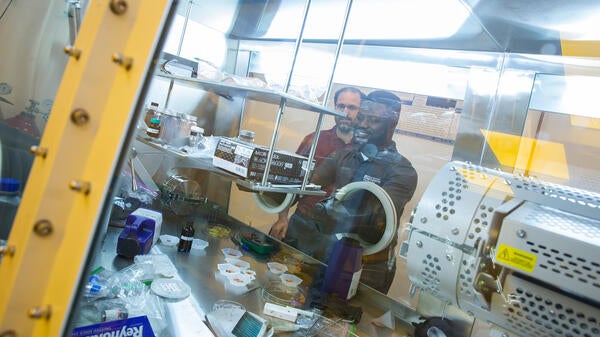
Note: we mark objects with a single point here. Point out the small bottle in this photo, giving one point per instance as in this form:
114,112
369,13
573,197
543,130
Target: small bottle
196,136
113,314
153,129
186,238
151,112
9,202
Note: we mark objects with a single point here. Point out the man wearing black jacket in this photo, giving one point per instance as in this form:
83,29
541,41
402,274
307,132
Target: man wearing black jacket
376,159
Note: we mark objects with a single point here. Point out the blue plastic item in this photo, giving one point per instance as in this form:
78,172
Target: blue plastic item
9,202
343,271
136,238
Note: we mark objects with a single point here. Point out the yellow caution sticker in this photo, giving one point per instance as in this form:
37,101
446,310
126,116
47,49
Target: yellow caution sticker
516,258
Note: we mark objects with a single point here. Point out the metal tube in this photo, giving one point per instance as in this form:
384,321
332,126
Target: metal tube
338,49
187,17
283,99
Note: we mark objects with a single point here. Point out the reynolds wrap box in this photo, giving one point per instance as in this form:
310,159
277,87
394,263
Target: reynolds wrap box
131,327
249,160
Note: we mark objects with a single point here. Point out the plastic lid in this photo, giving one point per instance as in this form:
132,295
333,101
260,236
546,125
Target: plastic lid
197,129
9,185
170,288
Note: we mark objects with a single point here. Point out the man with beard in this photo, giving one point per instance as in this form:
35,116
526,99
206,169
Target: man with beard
300,230
374,158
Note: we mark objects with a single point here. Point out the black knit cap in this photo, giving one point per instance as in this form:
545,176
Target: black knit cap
387,98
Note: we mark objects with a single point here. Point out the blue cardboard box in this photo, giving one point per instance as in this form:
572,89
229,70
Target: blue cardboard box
131,327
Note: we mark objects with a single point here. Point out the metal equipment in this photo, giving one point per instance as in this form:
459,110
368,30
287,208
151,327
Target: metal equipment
511,250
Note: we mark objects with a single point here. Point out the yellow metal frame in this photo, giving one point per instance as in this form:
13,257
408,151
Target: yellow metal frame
38,283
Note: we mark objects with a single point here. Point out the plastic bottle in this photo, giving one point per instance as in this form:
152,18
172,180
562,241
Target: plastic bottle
153,129
186,238
105,311
9,202
344,268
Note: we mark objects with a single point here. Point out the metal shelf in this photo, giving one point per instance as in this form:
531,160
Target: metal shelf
311,189
229,91
205,164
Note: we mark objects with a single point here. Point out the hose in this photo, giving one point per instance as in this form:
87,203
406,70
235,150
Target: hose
391,218
270,205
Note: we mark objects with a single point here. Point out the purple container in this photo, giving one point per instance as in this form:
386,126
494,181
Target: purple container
343,271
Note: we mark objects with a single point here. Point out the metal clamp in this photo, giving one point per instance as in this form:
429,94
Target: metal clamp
40,312
118,7
80,116
43,228
80,186
124,61
73,52
38,151
7,250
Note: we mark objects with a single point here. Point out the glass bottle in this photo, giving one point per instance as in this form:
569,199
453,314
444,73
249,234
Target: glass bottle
186,238
151,112
153,129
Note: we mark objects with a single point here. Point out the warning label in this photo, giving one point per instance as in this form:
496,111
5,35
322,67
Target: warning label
516,258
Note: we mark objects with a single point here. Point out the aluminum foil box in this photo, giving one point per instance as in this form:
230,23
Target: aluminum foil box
249,161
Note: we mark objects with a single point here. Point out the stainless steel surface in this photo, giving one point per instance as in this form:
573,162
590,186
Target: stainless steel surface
198,269
517,26
256,94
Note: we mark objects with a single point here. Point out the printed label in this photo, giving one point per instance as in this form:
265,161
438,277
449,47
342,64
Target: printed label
131,327
354,284
516,258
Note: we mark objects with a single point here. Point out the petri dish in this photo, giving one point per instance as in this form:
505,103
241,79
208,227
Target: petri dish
277,293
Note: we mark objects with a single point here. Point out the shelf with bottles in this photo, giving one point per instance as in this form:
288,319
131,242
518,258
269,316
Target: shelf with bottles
230,90
205,163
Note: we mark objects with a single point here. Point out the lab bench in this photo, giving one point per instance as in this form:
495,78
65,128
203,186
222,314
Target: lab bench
198,269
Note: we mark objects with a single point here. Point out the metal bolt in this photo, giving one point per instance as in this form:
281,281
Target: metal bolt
423,220
124,61
448,257
80,116
38,151
43,228
73,52
80,186
419,243
455,231
521,233
39,312
7,250
118,7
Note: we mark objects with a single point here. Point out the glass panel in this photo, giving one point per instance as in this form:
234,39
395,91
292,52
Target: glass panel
562,131
32,38
226,71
